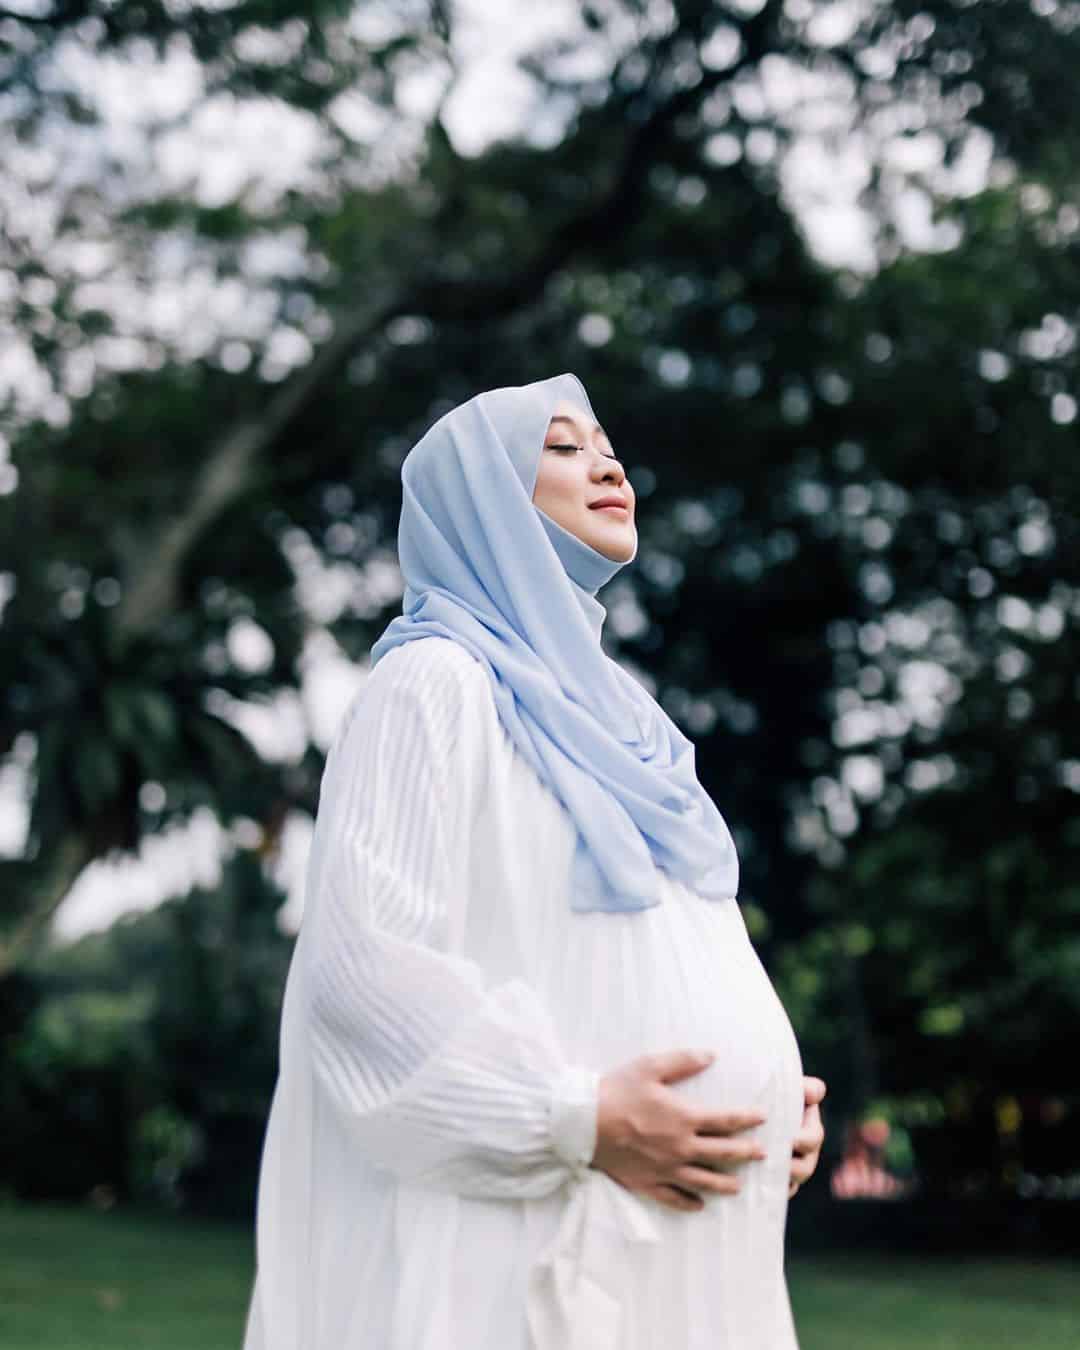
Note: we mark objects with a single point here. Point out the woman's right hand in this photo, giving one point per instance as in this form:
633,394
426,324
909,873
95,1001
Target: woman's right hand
652,1140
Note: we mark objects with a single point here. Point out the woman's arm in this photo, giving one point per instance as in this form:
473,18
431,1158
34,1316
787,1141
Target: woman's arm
442,1081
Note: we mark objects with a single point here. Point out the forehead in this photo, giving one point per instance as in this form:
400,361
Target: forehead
573,414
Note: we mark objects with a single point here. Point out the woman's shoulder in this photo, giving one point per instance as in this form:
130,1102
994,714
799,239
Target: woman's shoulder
432,666
431,685
415,736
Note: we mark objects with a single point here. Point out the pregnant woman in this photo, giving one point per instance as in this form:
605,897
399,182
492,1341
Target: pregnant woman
536,1090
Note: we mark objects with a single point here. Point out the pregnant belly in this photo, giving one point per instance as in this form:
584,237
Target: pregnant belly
684,975
732,1005
744,1300
727,1004
723,1000
681,975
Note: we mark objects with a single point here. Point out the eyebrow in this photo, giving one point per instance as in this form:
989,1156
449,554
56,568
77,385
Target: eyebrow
570,420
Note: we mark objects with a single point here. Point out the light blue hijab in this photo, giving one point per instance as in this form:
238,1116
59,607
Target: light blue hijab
486,567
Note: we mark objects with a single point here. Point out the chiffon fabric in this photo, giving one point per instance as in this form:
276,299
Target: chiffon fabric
485,566
447,1016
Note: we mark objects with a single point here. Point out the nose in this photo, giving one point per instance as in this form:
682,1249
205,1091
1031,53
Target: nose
610,469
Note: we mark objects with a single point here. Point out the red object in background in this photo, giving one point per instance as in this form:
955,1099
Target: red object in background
860,1172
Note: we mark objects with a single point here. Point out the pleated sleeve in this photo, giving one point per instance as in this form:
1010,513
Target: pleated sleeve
442,1079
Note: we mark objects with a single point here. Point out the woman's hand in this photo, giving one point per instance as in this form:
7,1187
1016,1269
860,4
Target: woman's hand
652,1140
811,1136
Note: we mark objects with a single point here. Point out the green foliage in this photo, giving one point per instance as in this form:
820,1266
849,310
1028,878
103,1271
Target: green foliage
149,1055
856,580
87,1029
166,1146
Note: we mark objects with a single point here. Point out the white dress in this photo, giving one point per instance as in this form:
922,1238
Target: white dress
446,1018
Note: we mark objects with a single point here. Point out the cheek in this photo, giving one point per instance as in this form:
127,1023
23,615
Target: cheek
562,482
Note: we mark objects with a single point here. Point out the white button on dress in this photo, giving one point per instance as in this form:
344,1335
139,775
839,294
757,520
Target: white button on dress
447,1016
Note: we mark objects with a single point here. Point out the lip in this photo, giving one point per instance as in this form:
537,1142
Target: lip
610,504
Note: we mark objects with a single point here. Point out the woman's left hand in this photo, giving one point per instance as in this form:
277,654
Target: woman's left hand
807,1147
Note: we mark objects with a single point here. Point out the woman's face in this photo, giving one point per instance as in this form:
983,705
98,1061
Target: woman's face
578,472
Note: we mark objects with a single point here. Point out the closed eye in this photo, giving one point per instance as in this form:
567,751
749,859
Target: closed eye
574,447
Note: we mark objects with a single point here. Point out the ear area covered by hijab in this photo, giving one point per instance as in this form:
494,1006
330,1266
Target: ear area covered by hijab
486,567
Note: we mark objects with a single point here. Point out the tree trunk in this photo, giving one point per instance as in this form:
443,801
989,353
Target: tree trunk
57,876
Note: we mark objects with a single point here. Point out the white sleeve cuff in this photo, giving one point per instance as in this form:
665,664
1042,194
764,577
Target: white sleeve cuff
574,1116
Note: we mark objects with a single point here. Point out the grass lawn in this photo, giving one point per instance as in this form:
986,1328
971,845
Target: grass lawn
74,1280
876,1302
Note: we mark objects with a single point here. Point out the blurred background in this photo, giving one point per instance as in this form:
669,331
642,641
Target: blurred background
818,265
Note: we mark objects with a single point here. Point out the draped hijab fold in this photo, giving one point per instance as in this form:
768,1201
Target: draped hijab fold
486,567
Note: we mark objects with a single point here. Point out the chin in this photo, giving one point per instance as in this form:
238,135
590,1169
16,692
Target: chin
618,550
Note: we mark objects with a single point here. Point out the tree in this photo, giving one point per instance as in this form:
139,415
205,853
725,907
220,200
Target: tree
792,429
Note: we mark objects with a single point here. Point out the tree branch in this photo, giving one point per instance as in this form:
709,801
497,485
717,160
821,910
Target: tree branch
227,474
231,463
67,859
